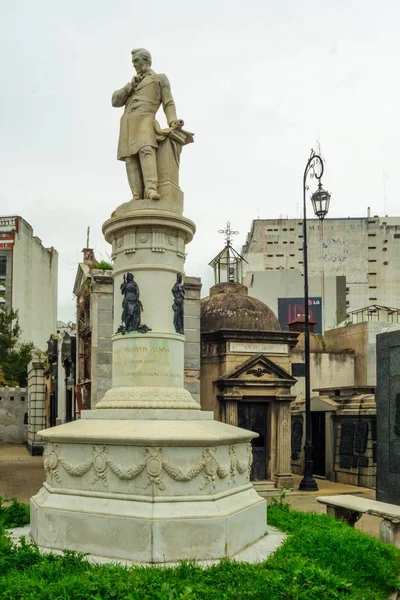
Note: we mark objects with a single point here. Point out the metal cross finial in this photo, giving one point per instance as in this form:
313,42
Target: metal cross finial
228,232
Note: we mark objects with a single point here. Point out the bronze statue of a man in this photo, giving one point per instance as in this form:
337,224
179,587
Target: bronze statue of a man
142,97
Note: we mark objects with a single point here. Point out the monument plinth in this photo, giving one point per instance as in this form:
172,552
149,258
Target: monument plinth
147,476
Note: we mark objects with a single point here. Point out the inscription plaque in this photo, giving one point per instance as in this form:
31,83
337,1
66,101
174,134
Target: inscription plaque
147,361
297,434
346,445
361,438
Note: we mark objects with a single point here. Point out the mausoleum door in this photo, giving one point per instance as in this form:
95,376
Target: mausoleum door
318,442
253,416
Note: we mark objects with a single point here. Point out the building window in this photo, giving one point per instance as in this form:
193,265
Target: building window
280,255
397,235
371,234
298,369
3,266
372,287
371,247
373,298
291,229
285,242
291,254
371,260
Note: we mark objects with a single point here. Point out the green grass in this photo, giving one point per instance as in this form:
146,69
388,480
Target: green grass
321,559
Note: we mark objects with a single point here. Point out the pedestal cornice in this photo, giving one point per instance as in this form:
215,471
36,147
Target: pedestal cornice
146,218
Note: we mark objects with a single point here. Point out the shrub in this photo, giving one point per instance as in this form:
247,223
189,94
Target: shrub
13,513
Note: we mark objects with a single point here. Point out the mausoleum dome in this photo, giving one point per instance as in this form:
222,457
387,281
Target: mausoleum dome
230,307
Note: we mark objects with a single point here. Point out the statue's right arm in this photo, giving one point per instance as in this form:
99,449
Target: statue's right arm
120,97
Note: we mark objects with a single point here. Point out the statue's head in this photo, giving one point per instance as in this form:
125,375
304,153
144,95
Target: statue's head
129,277
179,278
141,59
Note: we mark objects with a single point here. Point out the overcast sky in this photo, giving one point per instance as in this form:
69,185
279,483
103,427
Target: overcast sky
259,82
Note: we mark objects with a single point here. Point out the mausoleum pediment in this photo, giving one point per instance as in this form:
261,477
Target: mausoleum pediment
81,276
258,369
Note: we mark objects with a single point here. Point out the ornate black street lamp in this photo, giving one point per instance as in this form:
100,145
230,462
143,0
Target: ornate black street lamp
320,201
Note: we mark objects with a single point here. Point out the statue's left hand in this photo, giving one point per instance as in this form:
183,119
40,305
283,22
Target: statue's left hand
177,123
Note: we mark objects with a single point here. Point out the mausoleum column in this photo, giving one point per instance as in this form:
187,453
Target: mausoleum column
231,412
283,476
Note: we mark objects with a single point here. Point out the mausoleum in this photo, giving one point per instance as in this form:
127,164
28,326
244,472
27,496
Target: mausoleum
246,370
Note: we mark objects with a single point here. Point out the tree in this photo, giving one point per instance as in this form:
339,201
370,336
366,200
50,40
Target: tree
14,355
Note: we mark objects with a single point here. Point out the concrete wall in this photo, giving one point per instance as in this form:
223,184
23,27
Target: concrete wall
362,249
268,286
34,286
13,415
360,337
101,320
327,370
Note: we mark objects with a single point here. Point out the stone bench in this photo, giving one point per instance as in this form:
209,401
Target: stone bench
351,508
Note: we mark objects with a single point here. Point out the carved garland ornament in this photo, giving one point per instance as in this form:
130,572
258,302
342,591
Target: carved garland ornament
154,463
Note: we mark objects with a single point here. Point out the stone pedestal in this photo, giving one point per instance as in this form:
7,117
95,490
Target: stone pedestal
147,476
148,490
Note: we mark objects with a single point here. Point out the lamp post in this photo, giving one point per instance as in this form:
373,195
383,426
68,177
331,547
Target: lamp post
320,201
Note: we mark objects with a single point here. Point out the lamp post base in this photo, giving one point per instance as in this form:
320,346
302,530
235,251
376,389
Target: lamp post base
308,483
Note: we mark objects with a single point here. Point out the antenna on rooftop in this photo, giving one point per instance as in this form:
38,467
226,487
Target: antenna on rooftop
385,178
87,237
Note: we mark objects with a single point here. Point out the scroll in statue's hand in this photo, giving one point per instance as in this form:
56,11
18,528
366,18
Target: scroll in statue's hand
177,123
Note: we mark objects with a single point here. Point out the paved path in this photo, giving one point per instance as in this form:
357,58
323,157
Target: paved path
22,475
306,501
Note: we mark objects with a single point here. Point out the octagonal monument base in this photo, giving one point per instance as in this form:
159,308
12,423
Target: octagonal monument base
153,490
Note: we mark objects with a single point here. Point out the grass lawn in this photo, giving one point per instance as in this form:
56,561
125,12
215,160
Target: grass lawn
322,558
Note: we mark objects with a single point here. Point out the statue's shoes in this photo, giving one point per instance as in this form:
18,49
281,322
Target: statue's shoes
154,196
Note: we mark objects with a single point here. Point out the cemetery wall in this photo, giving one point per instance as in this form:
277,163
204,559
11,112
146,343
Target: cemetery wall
13,415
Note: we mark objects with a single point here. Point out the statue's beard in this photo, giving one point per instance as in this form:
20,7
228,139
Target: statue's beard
142,71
